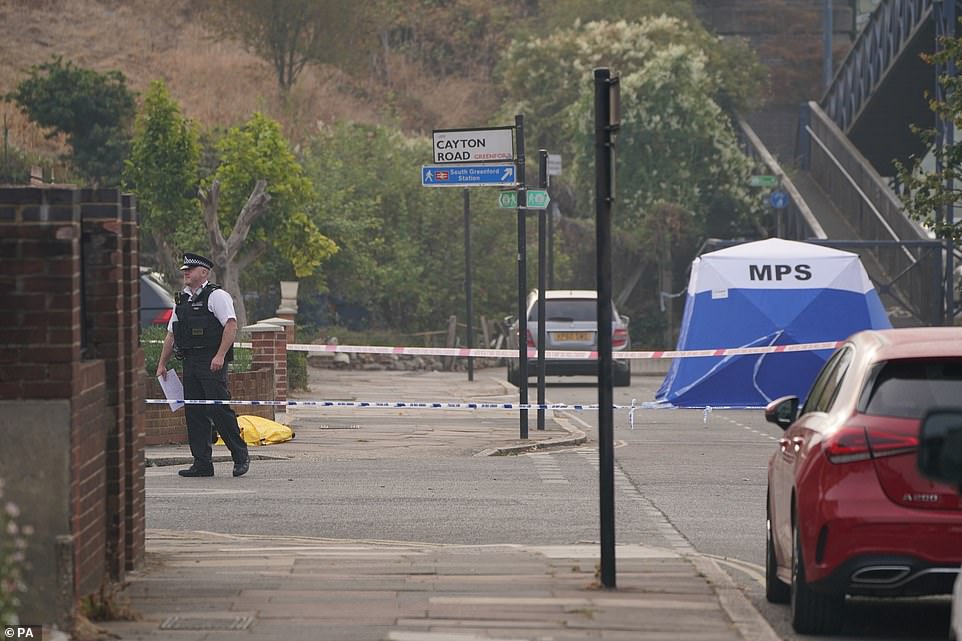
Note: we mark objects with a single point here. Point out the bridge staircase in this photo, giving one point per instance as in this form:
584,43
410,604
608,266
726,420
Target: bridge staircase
840,181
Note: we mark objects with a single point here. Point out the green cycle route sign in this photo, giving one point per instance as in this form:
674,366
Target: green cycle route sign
536,198
763,181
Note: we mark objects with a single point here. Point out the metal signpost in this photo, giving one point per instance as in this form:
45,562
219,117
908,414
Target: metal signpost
543,202
489,148
469,301
554,169
522,284
606,122
487,158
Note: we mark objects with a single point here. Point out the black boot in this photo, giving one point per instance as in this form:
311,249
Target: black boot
195,470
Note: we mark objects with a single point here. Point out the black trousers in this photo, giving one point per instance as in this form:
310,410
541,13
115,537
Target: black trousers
202,384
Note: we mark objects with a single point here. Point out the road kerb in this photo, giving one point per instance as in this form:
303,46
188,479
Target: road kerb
750,623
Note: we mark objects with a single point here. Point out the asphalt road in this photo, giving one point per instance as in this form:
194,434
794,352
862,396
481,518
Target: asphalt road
707,475
683,480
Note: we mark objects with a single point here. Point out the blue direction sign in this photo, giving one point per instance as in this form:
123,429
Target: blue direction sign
487,175
778,199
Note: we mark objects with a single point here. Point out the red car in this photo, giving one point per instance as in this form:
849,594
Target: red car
848,511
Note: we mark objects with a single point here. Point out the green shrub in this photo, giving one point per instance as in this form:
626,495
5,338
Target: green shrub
152,340
297,370
12,560
243,357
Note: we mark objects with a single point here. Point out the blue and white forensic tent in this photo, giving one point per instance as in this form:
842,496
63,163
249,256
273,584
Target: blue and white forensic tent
763,293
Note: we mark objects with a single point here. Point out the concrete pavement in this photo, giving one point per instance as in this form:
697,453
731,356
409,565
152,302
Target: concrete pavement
208,586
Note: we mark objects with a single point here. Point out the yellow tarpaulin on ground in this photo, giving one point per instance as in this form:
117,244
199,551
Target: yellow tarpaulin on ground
261,431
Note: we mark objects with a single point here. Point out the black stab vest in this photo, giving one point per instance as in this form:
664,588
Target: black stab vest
197,328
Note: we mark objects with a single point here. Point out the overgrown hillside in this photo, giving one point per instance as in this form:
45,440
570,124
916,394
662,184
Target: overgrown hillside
409,66
217,82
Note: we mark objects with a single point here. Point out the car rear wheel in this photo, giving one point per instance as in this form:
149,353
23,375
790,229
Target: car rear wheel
514,376
812,612
621,379
775,590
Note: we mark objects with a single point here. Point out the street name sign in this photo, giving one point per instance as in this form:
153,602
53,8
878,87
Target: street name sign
763,181
499,175
474,145
536,199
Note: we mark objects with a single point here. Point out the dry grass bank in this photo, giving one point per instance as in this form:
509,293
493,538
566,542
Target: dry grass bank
216,83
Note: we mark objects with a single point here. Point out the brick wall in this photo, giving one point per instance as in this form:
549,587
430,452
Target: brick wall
68,275
161,426
88,527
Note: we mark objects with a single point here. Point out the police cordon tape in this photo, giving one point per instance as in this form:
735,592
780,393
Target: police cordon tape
504,353
431,405
578,407
551,353
560,354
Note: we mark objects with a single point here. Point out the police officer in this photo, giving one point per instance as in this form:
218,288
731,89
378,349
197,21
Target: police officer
202,329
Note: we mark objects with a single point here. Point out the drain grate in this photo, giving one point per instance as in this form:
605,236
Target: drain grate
198,623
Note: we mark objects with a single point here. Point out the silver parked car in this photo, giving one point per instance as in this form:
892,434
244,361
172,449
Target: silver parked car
571,324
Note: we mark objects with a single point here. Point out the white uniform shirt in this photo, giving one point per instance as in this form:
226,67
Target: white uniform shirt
219,302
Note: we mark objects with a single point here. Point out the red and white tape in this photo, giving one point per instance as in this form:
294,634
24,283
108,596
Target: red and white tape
561,354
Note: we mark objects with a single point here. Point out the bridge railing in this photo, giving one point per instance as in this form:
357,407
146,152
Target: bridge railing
891,27
862,196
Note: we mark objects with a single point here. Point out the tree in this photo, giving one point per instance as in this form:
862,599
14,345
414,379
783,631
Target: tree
676,148
402,249
560,64
447,38
290,33
94,111
562,14
257,167
163,172
927,195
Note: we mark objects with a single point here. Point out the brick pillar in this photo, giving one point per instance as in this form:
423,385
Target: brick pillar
53,397
104,320
134,426
287,324
269,346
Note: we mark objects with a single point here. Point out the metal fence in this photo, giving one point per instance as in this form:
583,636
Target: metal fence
888,30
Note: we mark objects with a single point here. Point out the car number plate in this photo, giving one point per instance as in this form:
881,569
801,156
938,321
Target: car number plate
572,336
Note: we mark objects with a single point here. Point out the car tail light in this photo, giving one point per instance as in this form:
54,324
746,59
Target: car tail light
531,342
891,444
619,337
853,444
848,445
163,317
